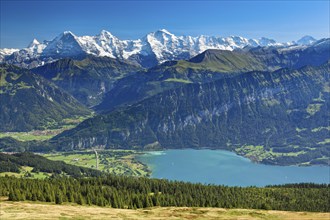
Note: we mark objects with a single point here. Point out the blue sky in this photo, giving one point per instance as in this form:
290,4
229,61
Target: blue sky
21,21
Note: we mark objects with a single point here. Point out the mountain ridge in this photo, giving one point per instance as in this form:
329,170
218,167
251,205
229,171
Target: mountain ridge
86,79
230,112
154,48
29,101
211,65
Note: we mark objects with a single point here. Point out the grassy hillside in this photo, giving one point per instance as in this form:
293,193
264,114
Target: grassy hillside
35,166
118,162
41,210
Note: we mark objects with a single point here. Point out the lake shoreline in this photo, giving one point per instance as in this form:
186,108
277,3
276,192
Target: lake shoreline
168,165
251,158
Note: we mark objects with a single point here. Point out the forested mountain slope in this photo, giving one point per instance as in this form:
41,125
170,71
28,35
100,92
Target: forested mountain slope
29,101
282,111
88,79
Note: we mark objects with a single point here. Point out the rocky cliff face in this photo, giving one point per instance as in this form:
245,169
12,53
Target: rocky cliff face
273,109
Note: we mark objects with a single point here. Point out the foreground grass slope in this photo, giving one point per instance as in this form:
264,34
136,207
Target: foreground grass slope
40,210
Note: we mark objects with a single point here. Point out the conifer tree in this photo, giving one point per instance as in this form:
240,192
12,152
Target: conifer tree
58,198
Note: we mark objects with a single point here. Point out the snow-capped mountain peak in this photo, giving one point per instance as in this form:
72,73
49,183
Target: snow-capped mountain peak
33,43
35,47
67,33
306,40
266,42
155,47
64,45
64,37
165,31
106,34
161,34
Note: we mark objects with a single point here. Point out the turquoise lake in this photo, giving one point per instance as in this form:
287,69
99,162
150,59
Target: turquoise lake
226,168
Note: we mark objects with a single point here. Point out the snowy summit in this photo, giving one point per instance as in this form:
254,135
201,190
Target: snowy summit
159,46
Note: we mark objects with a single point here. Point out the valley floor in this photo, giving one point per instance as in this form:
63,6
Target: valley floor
38,210
117,162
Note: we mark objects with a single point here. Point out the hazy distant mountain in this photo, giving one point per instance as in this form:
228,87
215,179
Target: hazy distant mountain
306,40
152,49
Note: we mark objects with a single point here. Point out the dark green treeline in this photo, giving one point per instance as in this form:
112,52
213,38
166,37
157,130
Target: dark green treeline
131,193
